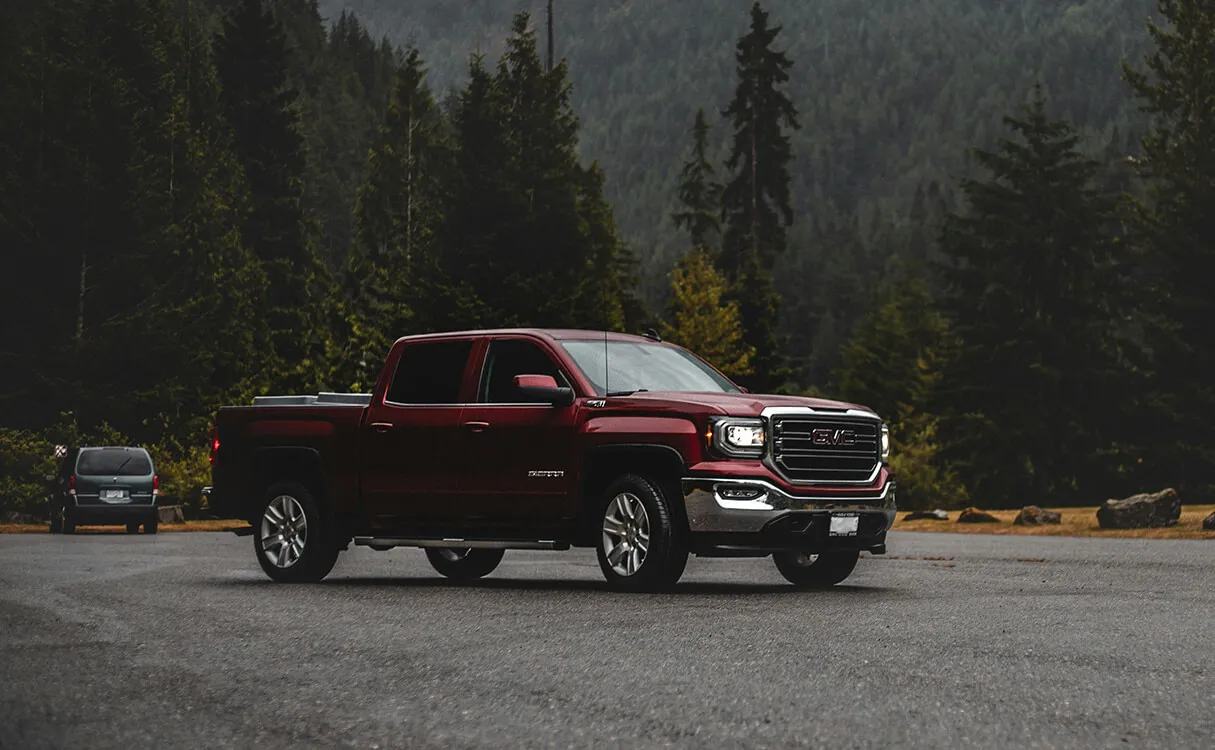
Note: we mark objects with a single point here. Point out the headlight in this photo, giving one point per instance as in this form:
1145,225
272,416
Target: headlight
885,442
739,437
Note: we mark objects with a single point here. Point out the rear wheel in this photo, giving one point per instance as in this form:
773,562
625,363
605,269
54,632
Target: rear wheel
462,563
152,526
132,528
291,542
641,544
815,571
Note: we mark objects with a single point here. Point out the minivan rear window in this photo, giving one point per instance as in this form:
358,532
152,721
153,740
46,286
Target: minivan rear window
118,463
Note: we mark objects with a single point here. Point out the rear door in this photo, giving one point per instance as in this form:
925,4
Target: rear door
411,466
114,476
520,456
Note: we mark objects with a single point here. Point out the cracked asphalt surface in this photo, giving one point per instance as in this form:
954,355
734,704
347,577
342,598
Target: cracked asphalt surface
178,640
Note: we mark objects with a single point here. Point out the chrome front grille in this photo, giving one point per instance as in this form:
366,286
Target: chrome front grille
826,448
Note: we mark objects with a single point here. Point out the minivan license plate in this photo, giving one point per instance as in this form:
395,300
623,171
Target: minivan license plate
112,494
844,525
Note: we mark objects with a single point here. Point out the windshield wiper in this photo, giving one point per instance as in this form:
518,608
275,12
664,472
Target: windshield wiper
123,465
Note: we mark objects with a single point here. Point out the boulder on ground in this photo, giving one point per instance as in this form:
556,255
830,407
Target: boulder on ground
170,514
974,515
12,516
1032,515
1148,510
927,515
1208,523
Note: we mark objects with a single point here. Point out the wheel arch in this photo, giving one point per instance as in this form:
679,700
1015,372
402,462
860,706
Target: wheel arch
657,462
285,464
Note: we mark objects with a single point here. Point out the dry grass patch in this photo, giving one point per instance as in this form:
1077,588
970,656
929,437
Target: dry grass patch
208,525
1075,522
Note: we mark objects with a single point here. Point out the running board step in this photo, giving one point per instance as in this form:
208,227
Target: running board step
392,541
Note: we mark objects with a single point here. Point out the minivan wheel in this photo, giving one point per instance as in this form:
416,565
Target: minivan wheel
291,542
462,563
815,571
132,528
641,546
151,527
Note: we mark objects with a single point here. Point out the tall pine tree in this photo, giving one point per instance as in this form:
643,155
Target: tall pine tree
1031,289
699,212
262,109
756,200
1177,229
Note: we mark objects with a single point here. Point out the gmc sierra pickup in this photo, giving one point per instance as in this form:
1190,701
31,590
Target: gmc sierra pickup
477,442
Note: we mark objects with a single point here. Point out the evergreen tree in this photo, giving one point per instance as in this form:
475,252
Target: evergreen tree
699,193
1177,230
398,211
756,200
262,109
702,320
891,363
1031,289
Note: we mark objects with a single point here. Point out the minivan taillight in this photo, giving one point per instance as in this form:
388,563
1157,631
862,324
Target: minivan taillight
72,485
155,484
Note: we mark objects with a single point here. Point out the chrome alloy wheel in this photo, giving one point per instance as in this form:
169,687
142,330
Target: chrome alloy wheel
284,531
626,534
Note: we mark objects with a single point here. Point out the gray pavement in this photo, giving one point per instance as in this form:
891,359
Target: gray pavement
178,640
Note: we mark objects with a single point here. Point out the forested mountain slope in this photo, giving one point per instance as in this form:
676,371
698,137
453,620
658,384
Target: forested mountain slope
891,92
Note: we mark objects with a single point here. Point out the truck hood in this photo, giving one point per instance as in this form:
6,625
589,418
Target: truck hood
730,404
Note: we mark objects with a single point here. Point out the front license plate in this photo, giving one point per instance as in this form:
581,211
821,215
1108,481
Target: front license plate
844,525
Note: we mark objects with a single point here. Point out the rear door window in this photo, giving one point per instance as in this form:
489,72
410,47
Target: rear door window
116,463
430,372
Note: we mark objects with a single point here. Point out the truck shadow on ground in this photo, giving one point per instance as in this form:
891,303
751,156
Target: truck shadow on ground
691,588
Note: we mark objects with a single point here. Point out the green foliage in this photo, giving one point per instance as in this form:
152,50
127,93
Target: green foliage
702,321
1175,230
1032,280
699,212
756,199
892,365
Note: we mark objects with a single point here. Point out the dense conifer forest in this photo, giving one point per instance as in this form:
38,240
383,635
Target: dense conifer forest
988,220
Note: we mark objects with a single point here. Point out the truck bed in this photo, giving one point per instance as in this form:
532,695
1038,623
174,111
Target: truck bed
318,431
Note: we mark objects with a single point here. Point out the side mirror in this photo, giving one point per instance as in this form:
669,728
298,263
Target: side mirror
543,389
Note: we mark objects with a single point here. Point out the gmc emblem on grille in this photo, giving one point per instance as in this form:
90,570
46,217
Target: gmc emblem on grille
824,436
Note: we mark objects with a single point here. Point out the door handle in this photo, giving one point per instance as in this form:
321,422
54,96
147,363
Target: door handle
381,427
477,426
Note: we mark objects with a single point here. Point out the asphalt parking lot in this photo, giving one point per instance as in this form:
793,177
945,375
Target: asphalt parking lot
178,640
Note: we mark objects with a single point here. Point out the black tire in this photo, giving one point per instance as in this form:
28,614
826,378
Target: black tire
663,559
132,528
313,548
824,571
463,564
152,526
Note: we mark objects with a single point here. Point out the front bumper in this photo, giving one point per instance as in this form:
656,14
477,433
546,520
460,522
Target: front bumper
775,518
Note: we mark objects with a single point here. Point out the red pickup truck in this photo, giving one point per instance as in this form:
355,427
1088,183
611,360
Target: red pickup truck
476,442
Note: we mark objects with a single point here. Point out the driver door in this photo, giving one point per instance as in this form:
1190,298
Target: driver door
521,456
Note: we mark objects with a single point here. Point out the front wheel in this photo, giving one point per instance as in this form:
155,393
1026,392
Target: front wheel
464,564
641,544
815,571
291,542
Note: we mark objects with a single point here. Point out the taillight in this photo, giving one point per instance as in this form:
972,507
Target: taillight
214,443
72,485
155,484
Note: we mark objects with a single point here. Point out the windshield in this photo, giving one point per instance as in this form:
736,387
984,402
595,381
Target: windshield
635,366
115,462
